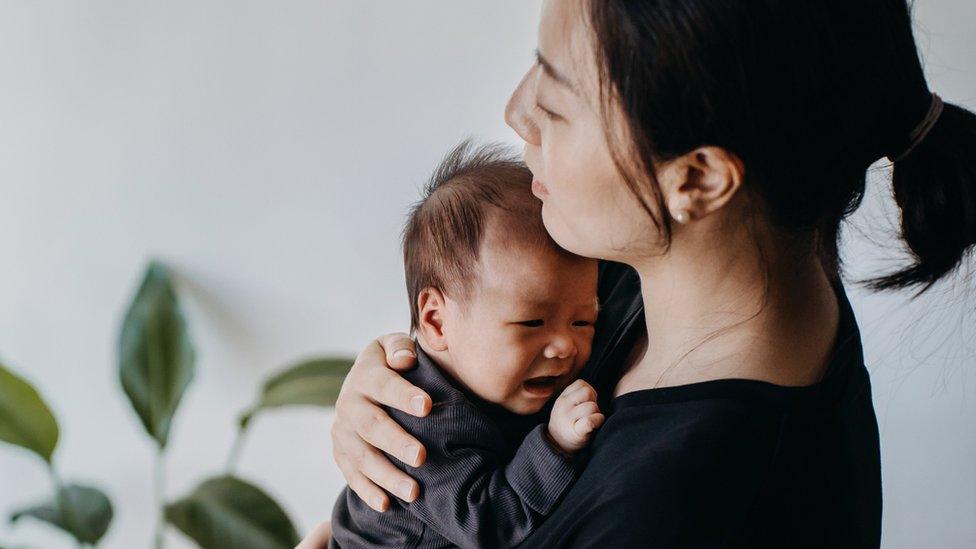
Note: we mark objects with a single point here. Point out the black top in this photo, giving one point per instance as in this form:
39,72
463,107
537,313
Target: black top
723,463
490,477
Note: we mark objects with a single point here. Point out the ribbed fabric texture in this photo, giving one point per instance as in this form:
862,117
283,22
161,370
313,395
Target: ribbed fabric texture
477,489
726,462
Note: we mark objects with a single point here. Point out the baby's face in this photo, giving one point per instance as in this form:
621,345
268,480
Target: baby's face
527,329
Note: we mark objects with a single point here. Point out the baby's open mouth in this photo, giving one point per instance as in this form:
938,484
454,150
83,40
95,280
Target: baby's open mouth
542,385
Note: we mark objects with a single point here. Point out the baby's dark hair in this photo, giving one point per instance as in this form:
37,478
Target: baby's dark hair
472,187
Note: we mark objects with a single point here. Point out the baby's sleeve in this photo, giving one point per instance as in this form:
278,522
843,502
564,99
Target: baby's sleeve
469,494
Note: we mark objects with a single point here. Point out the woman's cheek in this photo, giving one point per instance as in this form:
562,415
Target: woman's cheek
557,157
570,167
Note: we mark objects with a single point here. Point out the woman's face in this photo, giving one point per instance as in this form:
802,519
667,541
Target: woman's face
586,205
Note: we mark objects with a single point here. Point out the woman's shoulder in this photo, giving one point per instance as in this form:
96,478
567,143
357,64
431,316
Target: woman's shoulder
685,427
660,464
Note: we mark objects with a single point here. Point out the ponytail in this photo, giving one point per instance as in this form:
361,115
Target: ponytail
935,186
839,84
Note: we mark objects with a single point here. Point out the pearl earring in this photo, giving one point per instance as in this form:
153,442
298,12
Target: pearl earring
682,216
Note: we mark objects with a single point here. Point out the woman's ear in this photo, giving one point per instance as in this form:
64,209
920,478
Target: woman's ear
431,306
700,182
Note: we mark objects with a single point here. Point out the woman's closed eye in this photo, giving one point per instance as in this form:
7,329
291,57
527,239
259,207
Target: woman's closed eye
582,323
547,113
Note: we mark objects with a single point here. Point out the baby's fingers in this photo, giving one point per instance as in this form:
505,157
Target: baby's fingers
572,387
587,424
577,392
584,409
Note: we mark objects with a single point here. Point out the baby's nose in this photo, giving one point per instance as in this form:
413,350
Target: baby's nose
560,347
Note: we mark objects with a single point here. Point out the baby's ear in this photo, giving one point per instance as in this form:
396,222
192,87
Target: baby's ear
432,305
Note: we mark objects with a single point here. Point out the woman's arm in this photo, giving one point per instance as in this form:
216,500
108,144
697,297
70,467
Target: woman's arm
318,538
362,428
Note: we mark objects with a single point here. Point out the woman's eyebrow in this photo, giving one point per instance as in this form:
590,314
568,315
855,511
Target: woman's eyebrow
553,73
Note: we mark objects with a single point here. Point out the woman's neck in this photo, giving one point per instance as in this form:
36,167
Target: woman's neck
706,320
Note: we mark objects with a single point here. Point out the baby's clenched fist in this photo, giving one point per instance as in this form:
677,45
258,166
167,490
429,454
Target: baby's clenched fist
575,417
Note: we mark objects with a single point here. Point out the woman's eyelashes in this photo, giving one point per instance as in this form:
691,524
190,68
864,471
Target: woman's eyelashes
547,113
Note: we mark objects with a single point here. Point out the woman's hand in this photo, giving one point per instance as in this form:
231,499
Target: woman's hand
362,428
318,538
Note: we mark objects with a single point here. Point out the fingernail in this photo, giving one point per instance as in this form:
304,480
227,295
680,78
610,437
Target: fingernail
405,489
378,503
413,454
403,353
418,404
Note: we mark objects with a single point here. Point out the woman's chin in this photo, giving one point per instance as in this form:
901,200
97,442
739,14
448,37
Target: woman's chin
568,239
558,231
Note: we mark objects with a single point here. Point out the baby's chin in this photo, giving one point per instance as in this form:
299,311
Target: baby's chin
524,408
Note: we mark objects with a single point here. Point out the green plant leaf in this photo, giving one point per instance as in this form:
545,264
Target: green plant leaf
155,353
227,512
87,513
314,382
25,420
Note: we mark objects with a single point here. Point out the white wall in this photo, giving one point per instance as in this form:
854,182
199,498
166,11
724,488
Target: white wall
267,151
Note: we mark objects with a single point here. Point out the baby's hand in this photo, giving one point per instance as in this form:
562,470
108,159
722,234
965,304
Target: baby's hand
575,416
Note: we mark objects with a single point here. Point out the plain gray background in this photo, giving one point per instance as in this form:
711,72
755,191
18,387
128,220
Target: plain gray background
268,151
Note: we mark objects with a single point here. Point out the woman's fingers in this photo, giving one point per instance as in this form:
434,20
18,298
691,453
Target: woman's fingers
372,424
373,495
387,387
362,465
376,467
371,376
318,538
399,349
348,452
362,430
369,472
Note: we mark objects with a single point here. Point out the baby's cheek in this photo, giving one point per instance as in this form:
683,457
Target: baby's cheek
509,383
583,356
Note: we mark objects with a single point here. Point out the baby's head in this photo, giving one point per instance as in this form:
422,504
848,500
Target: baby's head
493,299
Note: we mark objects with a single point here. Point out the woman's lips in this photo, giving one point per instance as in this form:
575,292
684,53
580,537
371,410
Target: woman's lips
538,189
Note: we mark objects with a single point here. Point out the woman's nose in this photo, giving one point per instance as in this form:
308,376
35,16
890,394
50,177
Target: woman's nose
519,113
561,346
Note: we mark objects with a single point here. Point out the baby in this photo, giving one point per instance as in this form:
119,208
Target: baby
503,321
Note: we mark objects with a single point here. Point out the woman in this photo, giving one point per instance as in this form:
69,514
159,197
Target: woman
726,348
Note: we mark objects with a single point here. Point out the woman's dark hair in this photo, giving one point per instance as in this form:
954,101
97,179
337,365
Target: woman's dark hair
808,95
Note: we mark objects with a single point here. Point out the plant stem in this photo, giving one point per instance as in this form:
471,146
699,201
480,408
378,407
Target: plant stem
235,450
62,503
160,486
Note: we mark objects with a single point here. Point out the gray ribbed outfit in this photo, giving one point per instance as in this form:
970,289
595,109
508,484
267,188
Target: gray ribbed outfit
479,487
